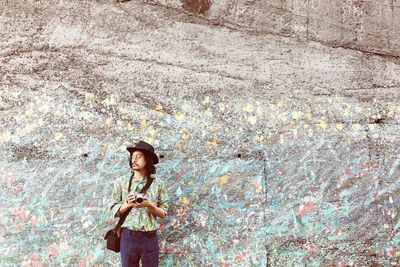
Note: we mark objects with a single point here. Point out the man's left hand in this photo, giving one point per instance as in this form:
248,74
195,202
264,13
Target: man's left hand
145,204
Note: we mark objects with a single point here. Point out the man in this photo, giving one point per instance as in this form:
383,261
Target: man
139,238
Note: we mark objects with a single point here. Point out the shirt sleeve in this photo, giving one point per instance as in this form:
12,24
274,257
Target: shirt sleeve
116,199
163,200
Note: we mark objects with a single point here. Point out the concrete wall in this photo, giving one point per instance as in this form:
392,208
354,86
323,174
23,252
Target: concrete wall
366,25
275,150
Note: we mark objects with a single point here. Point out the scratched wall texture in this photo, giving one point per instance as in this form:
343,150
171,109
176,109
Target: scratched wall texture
279,133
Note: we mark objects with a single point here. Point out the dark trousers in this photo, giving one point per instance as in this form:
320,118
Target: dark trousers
136,246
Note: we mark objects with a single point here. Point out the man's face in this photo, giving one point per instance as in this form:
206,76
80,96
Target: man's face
138,160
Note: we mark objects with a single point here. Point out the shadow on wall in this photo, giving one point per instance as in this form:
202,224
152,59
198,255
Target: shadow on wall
196,6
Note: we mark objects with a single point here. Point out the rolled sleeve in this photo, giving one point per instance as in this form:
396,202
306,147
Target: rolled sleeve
114,209
116,199
163,200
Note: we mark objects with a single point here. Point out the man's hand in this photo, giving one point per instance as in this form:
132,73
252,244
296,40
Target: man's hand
145,204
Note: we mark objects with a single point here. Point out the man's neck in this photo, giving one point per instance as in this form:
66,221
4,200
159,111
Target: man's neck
140,174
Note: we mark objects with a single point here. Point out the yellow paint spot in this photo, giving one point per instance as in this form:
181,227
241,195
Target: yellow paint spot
152,131
294,132
281,139
280,104
252,120
159,107
44,108
59,107
346,112
206,100
5,137
208,112
359,109
356,127
122,148
203,135
339,126
282,117
213,144
310,133
222,107
143,123
308,116
113,99
29,112
108,122
322,124
88,115
260,111
186,107
151,141
184,200
89,97
27,129
255,183
248,108
372,127
272,107
235,186
223,179
258,139
124,111
376,135
57,136
297,115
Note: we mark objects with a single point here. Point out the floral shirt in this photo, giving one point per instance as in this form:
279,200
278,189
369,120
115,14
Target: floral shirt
139,219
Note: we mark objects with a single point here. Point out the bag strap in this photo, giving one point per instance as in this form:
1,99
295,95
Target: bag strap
143,191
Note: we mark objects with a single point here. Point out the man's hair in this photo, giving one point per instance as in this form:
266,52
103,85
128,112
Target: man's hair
150,168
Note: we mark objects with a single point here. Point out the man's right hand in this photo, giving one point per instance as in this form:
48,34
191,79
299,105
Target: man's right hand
131,198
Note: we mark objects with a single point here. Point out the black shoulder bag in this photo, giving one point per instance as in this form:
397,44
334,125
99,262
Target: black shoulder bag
113,236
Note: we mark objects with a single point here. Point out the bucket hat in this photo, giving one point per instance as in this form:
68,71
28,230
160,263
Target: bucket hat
146,148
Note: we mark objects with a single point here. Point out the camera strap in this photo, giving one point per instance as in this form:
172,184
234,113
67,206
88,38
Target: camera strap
147,185
143,191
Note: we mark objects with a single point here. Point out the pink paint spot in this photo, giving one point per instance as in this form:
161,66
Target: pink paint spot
303,212
34,221
311,206
82,263
348,171
53,251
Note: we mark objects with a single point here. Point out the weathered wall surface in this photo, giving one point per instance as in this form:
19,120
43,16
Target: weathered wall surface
275,150
366,25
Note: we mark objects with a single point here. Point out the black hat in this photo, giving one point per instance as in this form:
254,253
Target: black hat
146,148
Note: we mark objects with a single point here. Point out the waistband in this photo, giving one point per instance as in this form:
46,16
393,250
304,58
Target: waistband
139,233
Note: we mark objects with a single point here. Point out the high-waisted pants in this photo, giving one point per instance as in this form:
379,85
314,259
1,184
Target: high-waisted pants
136,246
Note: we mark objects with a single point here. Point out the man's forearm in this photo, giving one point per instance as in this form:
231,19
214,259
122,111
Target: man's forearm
123,209
156,211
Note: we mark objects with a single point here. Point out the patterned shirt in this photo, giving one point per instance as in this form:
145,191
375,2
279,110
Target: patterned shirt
139,219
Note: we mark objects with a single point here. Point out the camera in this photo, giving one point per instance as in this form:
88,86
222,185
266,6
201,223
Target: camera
139,198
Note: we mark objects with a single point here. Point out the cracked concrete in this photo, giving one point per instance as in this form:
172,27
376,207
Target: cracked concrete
276,131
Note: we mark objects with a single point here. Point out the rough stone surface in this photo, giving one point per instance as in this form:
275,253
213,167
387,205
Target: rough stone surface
276,150
366,25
